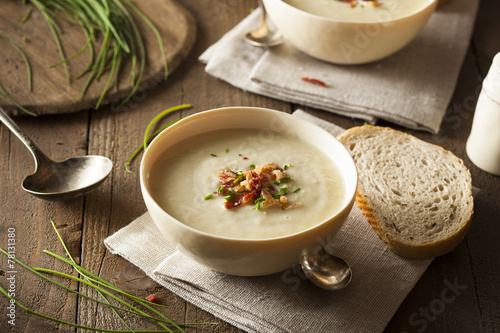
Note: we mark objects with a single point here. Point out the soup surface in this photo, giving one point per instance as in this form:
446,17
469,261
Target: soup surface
359,11
185,183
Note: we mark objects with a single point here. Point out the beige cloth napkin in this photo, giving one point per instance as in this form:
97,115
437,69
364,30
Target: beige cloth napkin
287,301
411,88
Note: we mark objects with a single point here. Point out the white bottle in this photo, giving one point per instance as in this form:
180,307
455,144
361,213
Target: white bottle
483,145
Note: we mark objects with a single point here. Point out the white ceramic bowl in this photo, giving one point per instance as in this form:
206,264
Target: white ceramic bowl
242,256
346,42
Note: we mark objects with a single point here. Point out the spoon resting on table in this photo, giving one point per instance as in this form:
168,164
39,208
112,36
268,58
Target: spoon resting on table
64,180
263,37
326,271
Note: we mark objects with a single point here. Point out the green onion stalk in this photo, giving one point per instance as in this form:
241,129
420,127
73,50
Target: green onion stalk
105,289
148,138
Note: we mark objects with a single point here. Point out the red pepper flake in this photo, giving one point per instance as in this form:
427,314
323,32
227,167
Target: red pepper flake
151,298
354,3
245,158
313,81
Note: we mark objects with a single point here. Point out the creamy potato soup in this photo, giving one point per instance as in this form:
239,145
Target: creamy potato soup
359,11
244,183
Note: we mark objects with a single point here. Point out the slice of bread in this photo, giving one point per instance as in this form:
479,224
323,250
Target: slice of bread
417,196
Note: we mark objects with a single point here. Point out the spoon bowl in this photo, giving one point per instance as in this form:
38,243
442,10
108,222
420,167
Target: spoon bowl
65,180
326,271
71,178
263,37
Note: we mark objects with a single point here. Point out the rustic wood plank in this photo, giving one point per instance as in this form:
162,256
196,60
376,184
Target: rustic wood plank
31,218
116,133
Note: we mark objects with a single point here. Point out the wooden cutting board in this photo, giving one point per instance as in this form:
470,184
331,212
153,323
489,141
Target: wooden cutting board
51,92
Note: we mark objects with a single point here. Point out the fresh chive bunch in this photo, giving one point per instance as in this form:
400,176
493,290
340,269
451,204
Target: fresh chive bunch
121,39
106,290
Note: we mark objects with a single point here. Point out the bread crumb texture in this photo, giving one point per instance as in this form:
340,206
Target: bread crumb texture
417,196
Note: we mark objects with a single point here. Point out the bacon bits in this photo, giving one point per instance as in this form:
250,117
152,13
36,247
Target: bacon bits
151,298
314,81
261,186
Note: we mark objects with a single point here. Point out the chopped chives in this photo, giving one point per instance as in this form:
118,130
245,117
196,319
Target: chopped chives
283,189
228,197
27,16
251,166
240,177
276,195
296,190
285,179
208,196
227,150
213,155
276,183
257,202
220,189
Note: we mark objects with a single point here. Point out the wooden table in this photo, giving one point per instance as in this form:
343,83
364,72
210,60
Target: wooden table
474,266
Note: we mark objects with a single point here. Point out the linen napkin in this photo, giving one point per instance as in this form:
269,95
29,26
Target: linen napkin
411,88
286,301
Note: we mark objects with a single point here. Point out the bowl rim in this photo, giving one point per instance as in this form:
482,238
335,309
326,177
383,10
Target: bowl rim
332,20
347,205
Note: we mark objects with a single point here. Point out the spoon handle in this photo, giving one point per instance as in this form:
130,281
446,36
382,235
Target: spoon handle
263,17
34,150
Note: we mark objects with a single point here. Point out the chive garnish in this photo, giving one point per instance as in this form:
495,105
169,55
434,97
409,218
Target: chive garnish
228,197
285,179
276,195
220,189
251,166
296,190
27,16
283,189
213,155
258,201
276,183
208,196
240,177
158,117
227,150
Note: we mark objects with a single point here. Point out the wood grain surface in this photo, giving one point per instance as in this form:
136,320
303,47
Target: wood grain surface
85,222
52,93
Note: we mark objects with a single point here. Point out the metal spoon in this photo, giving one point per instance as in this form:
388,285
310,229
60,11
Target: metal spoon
263,37
51,180
326,271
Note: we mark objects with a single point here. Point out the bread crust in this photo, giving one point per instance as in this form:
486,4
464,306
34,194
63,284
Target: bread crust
422,250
